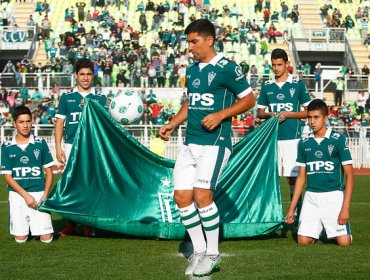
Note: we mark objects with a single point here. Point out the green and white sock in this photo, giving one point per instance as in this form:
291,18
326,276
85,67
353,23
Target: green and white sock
191,220
210,221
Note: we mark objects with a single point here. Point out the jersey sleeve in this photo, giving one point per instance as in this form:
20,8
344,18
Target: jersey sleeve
5,163
236,82
344,152
47,159
301,159
304,96
62,108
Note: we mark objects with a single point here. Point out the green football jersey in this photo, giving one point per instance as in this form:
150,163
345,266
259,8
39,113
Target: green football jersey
323,161
290,97
212,88
26,166
70,110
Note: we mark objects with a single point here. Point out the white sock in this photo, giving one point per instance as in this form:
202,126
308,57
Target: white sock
211,220
191,220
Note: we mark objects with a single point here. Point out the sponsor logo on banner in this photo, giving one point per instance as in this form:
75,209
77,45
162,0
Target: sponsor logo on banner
167,205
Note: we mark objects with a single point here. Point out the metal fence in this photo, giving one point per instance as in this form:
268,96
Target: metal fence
358,139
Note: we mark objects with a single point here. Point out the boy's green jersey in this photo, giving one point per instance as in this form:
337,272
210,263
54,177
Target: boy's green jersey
323,161
70,109
26,166
289,97
211,88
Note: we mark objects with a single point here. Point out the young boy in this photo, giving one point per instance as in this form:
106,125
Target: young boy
323,158
23,159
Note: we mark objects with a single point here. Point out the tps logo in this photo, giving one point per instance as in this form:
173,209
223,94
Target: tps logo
280,107
27,171
320,165
205,99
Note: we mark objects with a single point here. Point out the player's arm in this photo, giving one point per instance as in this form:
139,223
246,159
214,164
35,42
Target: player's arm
166,130
243,104
48,182
29,199
58,131
344,212
298,188
262,114
293,115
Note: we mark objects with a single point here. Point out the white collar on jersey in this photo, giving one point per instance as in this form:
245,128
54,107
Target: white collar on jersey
289,80
213,61
216,59
92,91
327,133
31,140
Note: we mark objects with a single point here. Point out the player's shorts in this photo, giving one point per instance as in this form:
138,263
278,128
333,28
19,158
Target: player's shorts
321,210
67,150
199,166
287,157
23,219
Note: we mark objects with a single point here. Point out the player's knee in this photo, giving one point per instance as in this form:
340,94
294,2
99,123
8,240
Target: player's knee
46,238
20,239
304,240
344,241
182,200
203,198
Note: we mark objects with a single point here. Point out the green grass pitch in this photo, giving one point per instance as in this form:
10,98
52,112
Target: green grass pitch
115,256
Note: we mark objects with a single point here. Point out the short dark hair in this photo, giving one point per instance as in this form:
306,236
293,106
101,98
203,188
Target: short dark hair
21,110
203,27
84,63
318,104
279,53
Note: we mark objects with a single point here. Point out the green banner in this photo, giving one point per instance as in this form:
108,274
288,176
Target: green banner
114,183
14,36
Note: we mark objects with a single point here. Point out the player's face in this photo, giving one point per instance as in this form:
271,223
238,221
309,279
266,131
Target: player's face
317,122
23,124
84,78
279,67
200,46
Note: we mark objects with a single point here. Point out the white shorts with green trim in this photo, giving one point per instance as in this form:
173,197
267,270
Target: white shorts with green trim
23,219
199,166
320,211
287,157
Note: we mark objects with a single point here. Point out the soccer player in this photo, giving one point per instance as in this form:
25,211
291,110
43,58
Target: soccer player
284,95
323,159
212,84
68,117
23,159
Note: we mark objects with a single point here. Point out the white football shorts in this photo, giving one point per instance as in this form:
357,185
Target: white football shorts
23,219
67,151
287,157
199,166
321,210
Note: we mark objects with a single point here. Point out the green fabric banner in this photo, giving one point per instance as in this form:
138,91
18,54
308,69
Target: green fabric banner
114,183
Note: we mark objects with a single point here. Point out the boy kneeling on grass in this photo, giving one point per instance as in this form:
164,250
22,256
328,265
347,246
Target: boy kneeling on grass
23,159
324,159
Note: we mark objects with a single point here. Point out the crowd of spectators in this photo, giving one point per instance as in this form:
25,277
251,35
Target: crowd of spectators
335,18
122,59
